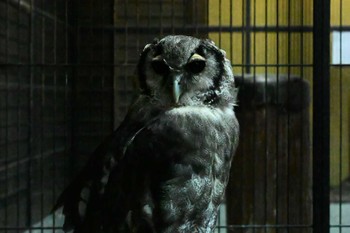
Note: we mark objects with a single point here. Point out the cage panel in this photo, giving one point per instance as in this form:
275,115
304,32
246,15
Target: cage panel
68,77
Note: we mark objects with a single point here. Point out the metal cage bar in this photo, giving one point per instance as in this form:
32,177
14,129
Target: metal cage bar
321,116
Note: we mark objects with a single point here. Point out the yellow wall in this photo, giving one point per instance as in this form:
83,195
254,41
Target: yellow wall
340,97
340,103
282,49
266,47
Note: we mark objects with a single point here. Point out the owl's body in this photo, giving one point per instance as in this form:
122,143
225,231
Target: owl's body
166,167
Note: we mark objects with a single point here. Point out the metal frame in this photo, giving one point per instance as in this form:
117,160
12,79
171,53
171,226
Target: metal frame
321,116
321,87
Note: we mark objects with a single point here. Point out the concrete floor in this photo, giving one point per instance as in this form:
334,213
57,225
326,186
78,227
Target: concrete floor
336,211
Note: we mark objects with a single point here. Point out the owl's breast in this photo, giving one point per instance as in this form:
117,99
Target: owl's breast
201,125
188,151
194,136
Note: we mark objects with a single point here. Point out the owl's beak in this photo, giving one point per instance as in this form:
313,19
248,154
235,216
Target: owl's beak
176,88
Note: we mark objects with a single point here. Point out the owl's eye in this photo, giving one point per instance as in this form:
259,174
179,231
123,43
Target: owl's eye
196,64
160,66
195,67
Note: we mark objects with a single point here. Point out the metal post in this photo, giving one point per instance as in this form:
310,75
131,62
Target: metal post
248,37
321,115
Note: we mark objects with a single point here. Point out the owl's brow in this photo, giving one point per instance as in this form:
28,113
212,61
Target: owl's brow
200,50
219,57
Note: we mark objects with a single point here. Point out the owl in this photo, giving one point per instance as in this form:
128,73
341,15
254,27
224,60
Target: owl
166,167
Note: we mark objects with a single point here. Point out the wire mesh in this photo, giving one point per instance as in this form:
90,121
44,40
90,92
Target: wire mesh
339,118
67,79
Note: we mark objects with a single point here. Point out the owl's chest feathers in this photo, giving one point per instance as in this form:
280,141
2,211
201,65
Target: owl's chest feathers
199,137
193,145
197,124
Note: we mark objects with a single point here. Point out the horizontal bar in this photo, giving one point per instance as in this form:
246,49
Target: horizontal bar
29,228
206,28
191,29
340,28
134,64
221,227
266,226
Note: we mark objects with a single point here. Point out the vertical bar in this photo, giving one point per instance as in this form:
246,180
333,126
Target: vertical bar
112,55
42,141
255,216
321,116
341,118
243,41
220,22
19,74
194,14
73,17
277,130
267,141
248,35
126,42
207,18
172,17
289,159
30,115
104,42
67,91
138,15
7,184
55,111
161,18
231,33
90,48
302,119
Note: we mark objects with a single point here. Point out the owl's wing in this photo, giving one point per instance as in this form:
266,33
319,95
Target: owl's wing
82,199
73,195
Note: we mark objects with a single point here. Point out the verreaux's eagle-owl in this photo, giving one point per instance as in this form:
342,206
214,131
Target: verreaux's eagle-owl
166,167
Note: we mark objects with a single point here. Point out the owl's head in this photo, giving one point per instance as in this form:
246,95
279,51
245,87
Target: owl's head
185,71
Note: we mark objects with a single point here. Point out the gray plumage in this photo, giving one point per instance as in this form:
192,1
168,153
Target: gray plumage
166,167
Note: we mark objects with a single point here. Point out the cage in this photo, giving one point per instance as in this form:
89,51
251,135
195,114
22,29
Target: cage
67,78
